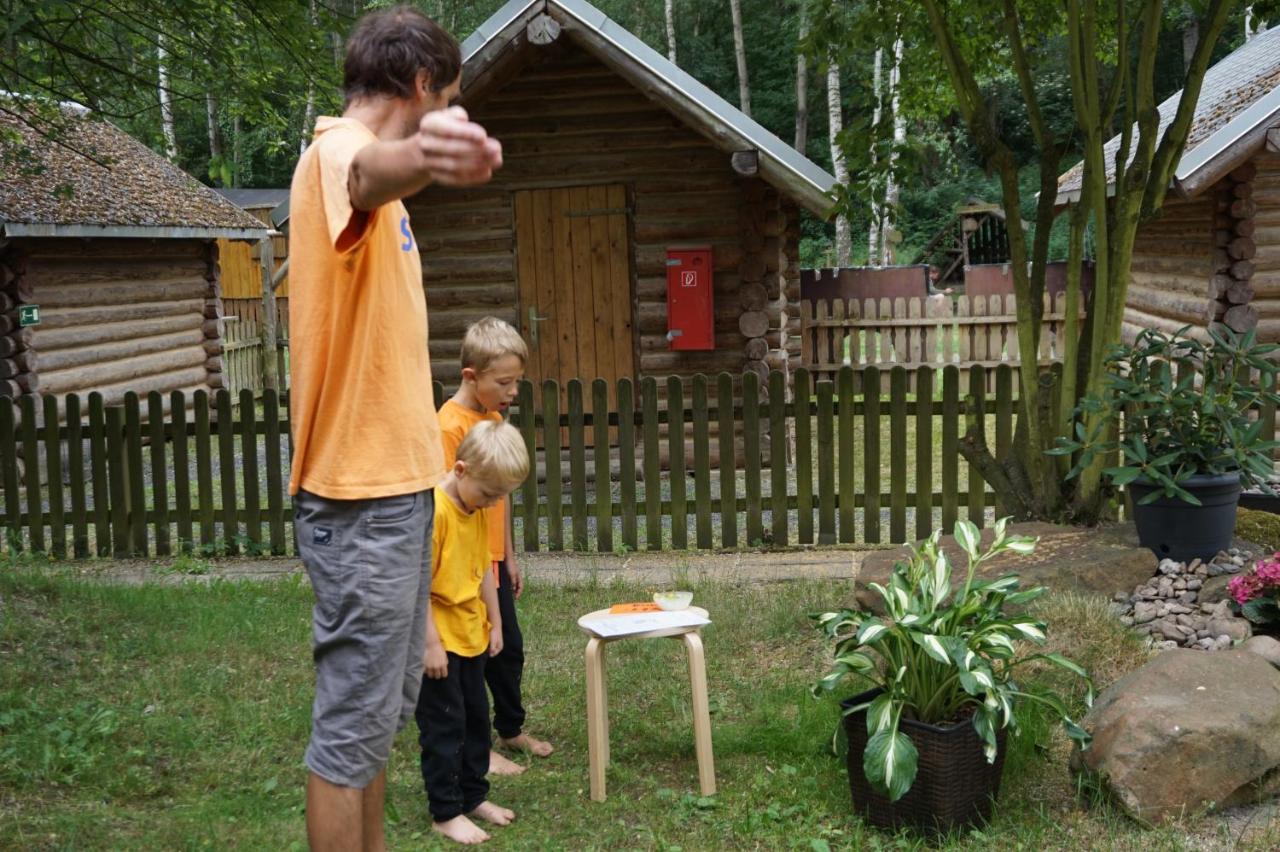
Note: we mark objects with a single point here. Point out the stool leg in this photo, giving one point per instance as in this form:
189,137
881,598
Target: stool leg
701,713
604,704
597,742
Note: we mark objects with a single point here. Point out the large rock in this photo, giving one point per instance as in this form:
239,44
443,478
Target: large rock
1187,731
1103,560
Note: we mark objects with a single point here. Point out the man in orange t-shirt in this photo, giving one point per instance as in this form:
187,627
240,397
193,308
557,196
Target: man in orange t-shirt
366,442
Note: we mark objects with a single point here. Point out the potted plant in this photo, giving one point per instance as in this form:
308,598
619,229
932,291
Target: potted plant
926,740
1181,414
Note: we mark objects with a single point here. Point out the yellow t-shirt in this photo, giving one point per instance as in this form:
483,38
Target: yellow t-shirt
459,560
455,422
364,424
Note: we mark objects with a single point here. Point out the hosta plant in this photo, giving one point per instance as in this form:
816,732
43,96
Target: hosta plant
943,655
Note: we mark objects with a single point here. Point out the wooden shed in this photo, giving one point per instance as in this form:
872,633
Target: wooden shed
1214,253
613,157
117,247
242,299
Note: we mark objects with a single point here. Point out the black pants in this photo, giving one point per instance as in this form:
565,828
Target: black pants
453,730
504,672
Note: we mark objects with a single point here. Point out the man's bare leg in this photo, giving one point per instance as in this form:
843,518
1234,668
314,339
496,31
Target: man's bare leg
372,804
334,816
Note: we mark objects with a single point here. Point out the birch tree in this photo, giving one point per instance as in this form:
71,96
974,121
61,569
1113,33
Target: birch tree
802,79
166,102
873,230
669,13
889,213
835,121
740,55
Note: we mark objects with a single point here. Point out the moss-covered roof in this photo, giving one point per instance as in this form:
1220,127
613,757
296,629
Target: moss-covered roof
63,167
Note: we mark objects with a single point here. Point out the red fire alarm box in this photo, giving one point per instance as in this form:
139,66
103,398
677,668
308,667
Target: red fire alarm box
690,309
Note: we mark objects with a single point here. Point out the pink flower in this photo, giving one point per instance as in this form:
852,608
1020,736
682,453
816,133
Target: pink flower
1268,571
1245,588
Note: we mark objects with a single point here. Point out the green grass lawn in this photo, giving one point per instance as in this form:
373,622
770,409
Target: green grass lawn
175,718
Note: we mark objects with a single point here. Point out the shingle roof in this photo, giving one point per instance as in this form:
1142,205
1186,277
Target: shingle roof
726,126
249,199
89,177
1240,95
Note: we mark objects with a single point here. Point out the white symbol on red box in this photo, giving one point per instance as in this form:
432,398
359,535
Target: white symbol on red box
688,279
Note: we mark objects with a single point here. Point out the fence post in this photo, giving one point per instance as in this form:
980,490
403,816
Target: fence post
270,366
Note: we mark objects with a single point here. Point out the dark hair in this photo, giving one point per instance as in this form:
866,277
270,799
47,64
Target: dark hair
387,49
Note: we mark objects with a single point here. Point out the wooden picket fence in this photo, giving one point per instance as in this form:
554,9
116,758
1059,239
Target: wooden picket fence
159,475
966,331
243,348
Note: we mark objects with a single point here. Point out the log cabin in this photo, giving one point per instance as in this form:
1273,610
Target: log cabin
117,248
619,166
1213,254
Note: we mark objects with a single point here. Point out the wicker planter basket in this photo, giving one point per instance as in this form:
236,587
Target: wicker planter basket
955,787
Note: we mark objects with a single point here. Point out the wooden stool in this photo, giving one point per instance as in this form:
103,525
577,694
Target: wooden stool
598,700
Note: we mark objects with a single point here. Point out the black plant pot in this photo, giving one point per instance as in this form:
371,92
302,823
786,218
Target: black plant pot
1176,529
954,787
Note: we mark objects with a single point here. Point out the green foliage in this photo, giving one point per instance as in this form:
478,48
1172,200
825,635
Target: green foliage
940,655
1182,408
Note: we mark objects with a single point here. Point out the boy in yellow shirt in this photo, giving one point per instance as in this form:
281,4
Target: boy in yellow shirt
493,360
463,629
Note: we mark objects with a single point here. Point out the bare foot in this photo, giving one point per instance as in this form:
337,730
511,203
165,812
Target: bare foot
461,830
501,765
524,742
494,814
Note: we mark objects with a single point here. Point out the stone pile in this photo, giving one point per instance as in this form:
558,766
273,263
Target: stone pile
1185,604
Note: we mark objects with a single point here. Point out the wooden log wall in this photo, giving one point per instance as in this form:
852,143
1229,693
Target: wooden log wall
18,366
124,315
1174,262
568,120
1265,282
1234,249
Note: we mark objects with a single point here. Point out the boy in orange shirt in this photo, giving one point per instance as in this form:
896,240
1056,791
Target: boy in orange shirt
493,359
464,629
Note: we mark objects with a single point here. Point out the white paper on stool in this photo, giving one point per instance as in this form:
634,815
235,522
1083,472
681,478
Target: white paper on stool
642,622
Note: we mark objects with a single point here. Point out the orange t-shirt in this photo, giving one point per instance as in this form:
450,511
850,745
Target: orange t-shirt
364,424
455,422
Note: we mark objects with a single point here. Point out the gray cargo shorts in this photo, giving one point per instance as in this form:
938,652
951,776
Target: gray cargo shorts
370,566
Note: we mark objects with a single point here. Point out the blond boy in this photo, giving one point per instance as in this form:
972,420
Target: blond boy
493,360
463,630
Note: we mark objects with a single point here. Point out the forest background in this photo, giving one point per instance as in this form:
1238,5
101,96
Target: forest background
229,90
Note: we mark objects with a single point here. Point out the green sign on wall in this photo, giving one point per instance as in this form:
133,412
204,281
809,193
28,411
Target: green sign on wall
28,315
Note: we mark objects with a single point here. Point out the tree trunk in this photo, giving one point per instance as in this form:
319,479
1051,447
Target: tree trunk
802,81
235,151
888,215
1250,23
309,114
211,110
835,120
166,101
669,12
873,231
740,53
1190,38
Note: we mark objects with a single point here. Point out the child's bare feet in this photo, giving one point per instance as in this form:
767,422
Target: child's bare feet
500,764
524,742
461,830
494,814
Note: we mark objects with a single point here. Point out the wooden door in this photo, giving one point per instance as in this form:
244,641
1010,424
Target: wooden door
573,252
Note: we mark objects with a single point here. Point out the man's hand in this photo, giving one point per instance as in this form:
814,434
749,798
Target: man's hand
514,575
456,150
495,640
435,663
